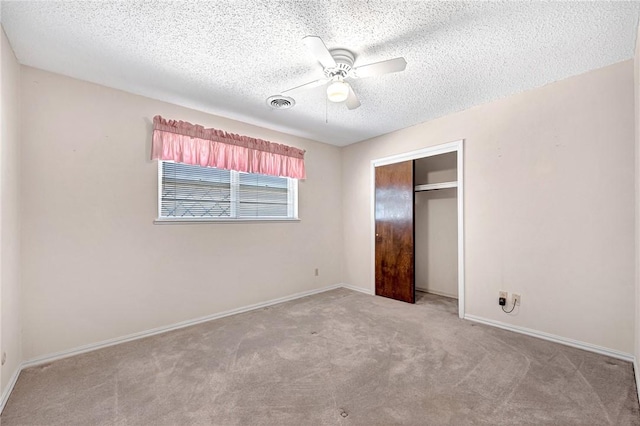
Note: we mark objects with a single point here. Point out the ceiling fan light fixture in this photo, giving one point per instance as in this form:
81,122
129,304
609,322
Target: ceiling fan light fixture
338,90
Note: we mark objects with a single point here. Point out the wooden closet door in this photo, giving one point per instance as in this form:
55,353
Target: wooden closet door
394,199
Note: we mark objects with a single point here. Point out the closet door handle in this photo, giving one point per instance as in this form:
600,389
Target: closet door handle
378,238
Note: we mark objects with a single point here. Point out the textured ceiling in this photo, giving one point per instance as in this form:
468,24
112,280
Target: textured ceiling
227,57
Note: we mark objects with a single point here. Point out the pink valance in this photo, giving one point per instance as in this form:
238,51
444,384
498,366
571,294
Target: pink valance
188,143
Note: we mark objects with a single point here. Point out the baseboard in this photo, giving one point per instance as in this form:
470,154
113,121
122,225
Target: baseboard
7,391
140,335
360,289
437,293
553,338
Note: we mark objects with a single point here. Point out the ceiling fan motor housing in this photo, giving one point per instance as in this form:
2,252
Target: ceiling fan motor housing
344,63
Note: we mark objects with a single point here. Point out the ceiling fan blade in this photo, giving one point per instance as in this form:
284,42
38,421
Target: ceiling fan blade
319,50
352,100
379,68
306,86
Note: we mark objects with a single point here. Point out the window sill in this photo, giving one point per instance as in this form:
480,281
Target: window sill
174,221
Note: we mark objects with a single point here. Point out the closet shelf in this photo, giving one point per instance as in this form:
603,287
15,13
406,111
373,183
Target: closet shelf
433,186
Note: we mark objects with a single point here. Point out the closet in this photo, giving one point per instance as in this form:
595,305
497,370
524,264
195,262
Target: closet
436,225
417,220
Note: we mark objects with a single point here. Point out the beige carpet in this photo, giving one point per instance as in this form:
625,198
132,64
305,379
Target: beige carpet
336,358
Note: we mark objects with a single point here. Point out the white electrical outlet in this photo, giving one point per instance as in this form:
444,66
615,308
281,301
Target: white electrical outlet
503,294
516,299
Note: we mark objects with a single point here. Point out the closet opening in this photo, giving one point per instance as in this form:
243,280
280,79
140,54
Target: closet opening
417,221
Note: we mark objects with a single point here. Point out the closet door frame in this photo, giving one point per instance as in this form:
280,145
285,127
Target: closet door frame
457,147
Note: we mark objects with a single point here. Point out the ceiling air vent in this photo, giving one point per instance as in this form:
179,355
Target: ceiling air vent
280,102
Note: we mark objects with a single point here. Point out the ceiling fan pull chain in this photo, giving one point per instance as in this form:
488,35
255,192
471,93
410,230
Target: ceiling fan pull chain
326,110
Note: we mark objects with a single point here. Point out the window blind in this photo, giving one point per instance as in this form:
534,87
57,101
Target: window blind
196,192
262,196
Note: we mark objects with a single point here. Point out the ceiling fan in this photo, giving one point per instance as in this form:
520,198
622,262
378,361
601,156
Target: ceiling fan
338,66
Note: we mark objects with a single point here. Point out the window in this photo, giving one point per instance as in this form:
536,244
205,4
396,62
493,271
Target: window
195,193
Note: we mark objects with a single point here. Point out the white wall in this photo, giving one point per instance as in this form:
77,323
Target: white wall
96,267
549,210
436,226
10,334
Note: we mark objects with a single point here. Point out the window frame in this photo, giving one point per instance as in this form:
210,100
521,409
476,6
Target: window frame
292,204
